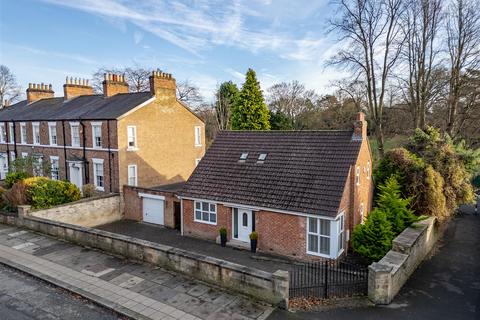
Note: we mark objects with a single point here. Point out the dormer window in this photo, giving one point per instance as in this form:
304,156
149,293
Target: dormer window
243,156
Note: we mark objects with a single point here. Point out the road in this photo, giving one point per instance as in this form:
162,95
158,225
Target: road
447,286
23,297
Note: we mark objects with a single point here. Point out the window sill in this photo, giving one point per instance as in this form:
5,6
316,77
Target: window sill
320,255
133,149
99,188
205,222
198,145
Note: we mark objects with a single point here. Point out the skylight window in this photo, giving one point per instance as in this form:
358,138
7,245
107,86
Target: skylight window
262,157
244,156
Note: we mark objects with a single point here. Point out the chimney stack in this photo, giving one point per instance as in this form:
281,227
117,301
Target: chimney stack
360,127
163,85
75,87
37,91
114,84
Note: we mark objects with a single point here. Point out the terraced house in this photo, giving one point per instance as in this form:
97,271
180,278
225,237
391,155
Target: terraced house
112,139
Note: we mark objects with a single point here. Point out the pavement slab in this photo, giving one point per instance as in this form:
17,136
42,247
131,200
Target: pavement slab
133,289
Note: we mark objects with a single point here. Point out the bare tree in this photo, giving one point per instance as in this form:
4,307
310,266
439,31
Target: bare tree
137,78
189,93
9,89
291,98
371,34
420,25
463,43
354,91
98,77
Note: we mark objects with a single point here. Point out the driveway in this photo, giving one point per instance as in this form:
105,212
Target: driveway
447,286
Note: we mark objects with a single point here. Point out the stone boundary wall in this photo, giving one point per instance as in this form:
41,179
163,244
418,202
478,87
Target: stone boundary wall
89,212
265,286
386,277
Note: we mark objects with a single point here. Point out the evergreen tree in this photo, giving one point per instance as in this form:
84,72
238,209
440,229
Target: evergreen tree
226,98
250,112
280,121
373,239
390,201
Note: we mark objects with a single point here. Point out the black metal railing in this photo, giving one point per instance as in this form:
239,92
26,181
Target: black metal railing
328,279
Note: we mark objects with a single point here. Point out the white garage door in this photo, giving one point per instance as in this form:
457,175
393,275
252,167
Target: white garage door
153,210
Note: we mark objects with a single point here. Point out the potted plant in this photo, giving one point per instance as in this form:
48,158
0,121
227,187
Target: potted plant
253,241
223,236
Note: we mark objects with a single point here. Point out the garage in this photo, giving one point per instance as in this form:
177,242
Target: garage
153,209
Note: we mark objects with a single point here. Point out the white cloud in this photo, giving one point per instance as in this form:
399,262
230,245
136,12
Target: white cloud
137,37
56,54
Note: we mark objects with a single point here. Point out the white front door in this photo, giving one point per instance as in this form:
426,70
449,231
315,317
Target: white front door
242,225
75,174
153,210
3,166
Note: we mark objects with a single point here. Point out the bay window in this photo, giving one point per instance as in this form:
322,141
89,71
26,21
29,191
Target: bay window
326,237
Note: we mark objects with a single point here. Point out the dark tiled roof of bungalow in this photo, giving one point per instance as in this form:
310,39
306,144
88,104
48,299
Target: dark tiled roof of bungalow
88,107
303,171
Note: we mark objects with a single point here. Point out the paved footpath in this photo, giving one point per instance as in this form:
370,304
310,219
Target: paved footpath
139,291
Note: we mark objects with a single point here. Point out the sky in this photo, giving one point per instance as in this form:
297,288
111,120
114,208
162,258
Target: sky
205,42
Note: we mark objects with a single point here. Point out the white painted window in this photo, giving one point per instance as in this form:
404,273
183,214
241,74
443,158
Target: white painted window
205,212
38,165
36,132
357,176
24,155
98,178
318,237
368,169
23,133
52,133
132,137
132,175
54,167
3,133
97,134
198,136
341,233
12,156
362,213
197,161
75,134
11,133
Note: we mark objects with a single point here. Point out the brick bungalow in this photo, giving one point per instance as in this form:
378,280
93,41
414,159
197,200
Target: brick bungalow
110,139
301,191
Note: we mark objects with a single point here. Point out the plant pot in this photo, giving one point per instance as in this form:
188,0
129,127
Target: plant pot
223,240
253,245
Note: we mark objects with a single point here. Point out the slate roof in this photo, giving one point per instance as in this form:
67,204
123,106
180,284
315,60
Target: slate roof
88,107
304,171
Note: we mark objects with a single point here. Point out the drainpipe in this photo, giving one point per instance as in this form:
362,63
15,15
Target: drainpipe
7,135
65,150
181,216
85,167
15,138
109,155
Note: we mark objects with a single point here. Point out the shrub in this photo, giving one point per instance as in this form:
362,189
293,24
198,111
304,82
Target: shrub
13,177
44,193
31,166
15,196
373,239
222,231
88,190
253,235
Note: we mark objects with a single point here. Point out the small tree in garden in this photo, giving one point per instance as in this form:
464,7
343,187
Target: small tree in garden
389,200
373,239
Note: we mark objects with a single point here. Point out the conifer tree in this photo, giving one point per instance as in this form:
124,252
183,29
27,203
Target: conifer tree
250,111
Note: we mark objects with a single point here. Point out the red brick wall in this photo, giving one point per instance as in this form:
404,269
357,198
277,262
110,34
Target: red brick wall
204,230
133,204
58,150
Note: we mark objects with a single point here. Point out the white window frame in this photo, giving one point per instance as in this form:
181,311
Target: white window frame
129,177
52,160
23,132
209,212
133,138
335,233
72,126
36,125
198,136
52,125
362,213
197,161
357,175
11,133
12,156
38,170
94,140
368,170
3,133
94,169
319,235
24,155
341,234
